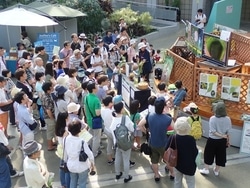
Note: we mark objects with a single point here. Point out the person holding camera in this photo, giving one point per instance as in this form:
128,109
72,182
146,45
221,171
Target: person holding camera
200,19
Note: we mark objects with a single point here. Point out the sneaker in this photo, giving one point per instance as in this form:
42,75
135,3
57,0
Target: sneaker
17,174
44,128
131,164
126,180
98,153
216,173
111,162
118,176
204,171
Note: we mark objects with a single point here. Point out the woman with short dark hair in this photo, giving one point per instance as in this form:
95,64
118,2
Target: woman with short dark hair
73,144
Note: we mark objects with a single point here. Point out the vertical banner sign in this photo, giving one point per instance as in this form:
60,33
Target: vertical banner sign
245,138
49,40
208,85
230,88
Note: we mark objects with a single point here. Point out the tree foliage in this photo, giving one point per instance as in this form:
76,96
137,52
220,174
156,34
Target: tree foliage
138,24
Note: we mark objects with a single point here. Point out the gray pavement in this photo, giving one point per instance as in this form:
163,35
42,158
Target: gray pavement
234,175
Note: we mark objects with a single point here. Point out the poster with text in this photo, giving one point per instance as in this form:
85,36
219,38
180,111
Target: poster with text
245,138
248,93
230,89
208,85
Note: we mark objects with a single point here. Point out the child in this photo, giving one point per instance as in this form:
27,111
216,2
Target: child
106,113
179,96
9,83
116,75
135,117
194,120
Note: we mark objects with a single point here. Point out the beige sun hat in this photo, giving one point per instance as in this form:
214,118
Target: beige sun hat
63,80
191,105
14,91
73,107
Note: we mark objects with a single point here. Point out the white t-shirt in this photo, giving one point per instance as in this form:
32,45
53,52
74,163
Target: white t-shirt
116,121
2,98
94,60
201,17
106,114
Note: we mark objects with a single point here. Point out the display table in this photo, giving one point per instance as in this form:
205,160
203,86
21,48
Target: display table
207,64
130,92
11,65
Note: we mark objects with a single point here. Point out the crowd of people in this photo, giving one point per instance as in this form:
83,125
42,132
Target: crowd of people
55,97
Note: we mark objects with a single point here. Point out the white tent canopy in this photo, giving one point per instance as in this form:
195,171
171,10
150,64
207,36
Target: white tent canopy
21,17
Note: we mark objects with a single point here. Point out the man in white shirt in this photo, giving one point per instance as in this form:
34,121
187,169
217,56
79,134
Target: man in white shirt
2,60
200,19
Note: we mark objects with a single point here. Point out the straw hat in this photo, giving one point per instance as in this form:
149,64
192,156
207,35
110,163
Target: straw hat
14,91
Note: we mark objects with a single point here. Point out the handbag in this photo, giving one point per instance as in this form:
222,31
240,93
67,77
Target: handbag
6,107
170,155
63,165
96,120
32,126
83,156
4,150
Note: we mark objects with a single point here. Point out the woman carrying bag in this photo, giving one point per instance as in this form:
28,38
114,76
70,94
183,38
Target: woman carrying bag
73,145
187,152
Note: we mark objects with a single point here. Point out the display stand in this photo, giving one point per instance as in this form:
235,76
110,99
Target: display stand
245,138
207,64
130,92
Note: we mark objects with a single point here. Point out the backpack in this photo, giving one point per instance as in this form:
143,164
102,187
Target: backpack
124,138
196,129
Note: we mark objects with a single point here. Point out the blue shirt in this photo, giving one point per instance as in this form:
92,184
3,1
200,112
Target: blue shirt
158,124
24,116
180,94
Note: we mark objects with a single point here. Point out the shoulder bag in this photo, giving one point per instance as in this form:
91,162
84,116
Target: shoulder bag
170,155
83,156
97,120
63,165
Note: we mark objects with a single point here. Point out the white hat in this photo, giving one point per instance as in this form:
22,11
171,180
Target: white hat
73,107
111,46
14,91
182,126
82,36
191,105
141,45
62,80
133,41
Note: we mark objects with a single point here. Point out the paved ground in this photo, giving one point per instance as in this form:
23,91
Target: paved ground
235,175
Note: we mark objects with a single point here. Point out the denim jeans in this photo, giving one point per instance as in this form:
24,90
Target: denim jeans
79,179
109,73
64,177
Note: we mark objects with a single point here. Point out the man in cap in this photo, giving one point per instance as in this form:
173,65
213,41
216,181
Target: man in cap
82,41
76,60
35,173
158,123
90,73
